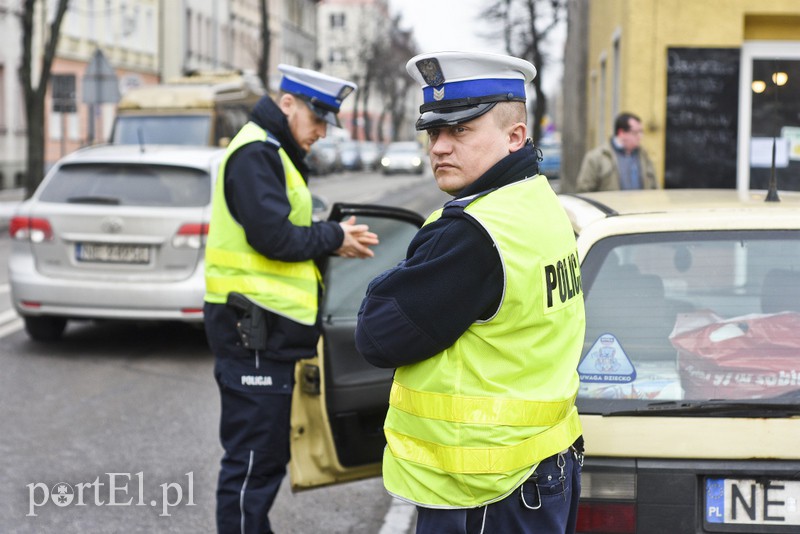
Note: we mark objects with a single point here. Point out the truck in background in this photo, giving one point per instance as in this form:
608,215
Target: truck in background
205,108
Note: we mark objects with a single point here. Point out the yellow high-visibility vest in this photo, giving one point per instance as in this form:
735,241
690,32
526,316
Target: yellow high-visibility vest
469,425
232,265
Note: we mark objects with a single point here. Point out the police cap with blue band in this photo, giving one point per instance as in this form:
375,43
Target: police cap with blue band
323,94
460,86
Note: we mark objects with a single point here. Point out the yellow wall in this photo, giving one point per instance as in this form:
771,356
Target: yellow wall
646,28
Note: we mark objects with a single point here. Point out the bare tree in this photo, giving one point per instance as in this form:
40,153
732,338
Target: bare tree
392,80
266,37
379,69
526,24
35,94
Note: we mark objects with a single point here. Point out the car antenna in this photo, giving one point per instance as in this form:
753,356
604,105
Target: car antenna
140,136
772,188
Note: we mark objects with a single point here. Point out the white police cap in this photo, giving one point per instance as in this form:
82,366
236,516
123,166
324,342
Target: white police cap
460,86
323,94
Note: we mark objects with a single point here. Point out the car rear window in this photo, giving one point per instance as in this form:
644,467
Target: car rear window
691,317
129,185
162,130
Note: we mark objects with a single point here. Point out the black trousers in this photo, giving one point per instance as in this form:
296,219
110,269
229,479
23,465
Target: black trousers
254,432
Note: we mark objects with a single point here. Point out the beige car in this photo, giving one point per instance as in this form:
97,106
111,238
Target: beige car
690,373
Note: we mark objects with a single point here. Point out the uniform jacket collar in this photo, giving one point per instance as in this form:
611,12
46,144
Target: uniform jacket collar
269,116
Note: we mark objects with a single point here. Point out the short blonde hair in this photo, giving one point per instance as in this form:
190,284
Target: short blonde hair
508,113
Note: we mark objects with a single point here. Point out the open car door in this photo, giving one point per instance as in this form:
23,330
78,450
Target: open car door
339,400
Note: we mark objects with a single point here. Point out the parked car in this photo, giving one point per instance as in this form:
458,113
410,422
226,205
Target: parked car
550,165
316,163
403,156
370,154
351,156
689,381
114,232
327,156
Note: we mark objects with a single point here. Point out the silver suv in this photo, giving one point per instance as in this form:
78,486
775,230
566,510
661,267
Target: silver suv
114,232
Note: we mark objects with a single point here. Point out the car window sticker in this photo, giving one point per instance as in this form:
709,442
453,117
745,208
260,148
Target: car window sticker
606,362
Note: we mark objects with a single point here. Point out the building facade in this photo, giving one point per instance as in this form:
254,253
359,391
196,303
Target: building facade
141,42
126,34
351,35
12,116
704,90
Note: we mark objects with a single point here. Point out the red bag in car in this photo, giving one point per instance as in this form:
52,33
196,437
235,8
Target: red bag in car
752,356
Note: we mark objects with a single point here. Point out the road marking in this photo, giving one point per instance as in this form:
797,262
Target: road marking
11,328
398,518
10,323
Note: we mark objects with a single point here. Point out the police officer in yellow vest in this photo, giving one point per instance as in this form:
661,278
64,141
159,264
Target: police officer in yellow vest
262,286
483,320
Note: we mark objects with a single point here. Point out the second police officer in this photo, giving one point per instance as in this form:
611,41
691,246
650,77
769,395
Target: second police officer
262,286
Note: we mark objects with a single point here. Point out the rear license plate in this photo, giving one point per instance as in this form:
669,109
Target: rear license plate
112,253
752,502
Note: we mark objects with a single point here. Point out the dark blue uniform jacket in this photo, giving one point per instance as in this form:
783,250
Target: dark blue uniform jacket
452,276
255,191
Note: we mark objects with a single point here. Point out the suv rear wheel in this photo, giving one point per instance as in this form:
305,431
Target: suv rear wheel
45,328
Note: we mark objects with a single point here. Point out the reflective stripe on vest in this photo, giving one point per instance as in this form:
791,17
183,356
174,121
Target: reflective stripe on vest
466,426
479,410
486,460
232,265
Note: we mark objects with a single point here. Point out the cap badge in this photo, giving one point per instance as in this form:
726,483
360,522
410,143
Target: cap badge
344,92
431,71
438,94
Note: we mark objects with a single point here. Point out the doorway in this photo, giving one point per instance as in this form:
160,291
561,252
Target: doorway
769,114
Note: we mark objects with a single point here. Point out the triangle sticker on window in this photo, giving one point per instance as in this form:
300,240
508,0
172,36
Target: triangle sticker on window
606,362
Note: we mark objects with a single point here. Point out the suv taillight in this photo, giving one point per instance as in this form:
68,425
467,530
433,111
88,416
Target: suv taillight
31,229
191,235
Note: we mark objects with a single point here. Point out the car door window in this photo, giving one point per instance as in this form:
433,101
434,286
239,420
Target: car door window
356,392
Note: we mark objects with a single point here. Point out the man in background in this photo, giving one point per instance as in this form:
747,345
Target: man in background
622,163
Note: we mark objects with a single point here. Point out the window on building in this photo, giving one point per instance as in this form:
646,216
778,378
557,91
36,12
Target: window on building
337,20
109,22
601,101
187,44
90,13
3,127
337,55
616,81
64,126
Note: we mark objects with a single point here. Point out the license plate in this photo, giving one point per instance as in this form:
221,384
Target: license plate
112,253
752,502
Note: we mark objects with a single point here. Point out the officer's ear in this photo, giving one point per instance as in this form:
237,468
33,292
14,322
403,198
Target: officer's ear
517,136
287,104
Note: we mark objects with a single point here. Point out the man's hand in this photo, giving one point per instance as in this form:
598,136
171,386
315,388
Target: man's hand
357,240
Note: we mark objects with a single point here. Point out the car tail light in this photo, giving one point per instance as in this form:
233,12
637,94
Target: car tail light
191,235
31,229
606,518
600,509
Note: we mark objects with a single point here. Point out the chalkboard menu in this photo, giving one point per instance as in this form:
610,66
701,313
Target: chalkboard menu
702,117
